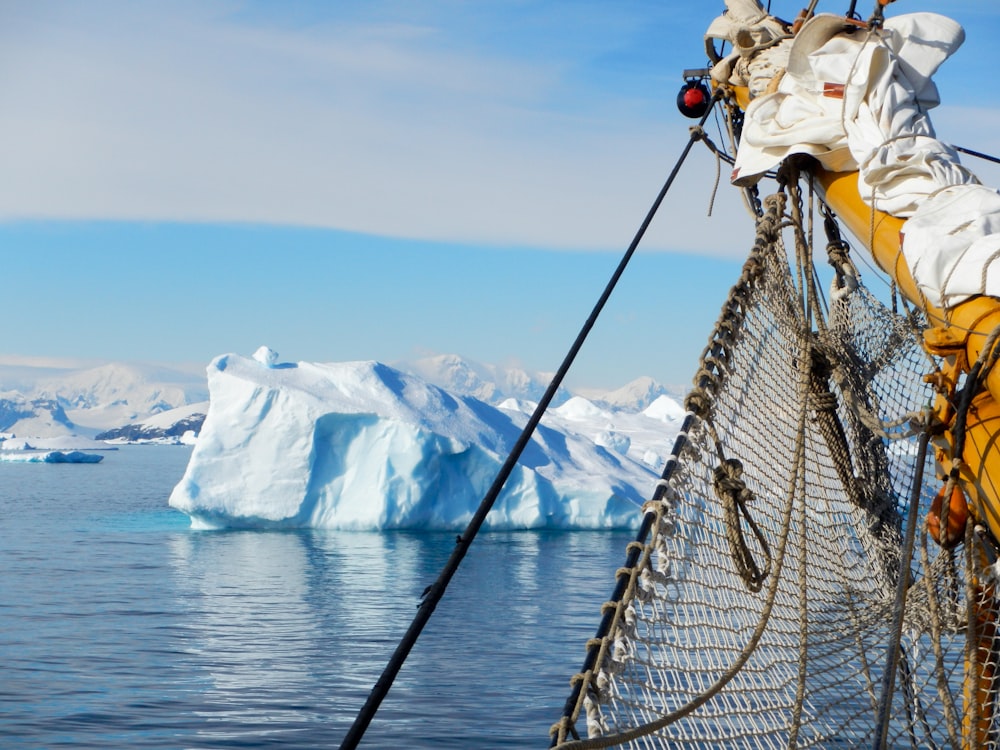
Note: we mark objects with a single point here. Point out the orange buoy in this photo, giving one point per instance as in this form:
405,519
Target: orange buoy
958,514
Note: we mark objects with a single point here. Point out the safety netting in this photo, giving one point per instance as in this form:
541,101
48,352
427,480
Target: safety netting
761,605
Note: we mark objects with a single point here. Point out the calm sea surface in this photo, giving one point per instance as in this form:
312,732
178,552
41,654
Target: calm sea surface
120,627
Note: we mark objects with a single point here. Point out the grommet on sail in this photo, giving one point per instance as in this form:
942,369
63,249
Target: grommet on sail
817,566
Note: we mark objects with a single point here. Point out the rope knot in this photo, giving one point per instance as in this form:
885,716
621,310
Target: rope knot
735,496
698,402
825,401
729,480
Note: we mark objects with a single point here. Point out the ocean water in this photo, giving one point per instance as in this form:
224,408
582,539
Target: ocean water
122,628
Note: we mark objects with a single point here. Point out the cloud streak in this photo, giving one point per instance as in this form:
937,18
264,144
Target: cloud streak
398,122
392,128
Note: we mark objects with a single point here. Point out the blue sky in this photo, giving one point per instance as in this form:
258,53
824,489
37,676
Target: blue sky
375,180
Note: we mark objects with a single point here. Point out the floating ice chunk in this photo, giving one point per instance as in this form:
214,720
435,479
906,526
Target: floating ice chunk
653,459
50,457
62,443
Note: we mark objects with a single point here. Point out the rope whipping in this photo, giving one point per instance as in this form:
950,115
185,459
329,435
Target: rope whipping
764,602
433,594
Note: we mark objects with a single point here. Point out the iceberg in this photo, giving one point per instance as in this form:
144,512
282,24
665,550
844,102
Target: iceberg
363,446
49,457
61,444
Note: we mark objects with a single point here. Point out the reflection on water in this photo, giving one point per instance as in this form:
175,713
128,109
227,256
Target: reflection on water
292,629
120,627
250,627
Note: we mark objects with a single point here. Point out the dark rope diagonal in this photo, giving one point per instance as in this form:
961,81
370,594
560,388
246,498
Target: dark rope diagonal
435,591
894,652
977,154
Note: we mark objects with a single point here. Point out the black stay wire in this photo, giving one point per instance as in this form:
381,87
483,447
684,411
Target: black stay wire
977,154
434,592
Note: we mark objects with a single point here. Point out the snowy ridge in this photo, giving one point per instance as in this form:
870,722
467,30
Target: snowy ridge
361,445
173,427
48,399
638,394
490,383
40,416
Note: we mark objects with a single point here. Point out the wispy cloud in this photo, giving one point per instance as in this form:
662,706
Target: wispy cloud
385,124
531,123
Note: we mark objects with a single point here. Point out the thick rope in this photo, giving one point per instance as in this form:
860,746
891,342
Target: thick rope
731,489
752,643
735,497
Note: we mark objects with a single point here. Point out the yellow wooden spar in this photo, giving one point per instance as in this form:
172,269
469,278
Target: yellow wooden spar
957,334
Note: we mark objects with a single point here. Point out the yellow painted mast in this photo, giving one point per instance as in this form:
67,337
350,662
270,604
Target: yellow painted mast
967,444
958,335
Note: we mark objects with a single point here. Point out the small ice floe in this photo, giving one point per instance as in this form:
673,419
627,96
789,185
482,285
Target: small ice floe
50,457
61,443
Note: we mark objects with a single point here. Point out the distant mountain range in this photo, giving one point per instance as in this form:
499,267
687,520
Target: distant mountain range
55,399
495,384
175,425
146,402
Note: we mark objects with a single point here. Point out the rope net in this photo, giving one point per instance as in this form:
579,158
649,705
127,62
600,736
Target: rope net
758,611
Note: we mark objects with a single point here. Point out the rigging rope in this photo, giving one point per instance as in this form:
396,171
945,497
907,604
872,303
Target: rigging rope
977,154
728,626
434,592
895,649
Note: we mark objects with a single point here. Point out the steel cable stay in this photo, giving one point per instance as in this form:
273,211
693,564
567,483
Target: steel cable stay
977,154
434,593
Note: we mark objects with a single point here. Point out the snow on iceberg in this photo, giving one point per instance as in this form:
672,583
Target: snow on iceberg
360,445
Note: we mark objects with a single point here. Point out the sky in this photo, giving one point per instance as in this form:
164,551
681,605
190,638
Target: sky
377,180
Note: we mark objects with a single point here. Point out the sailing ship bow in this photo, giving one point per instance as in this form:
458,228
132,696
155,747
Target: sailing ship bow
806,575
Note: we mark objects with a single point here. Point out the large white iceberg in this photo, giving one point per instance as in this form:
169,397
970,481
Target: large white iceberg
360,445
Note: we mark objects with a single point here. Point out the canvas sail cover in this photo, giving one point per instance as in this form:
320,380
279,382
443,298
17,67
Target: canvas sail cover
859,99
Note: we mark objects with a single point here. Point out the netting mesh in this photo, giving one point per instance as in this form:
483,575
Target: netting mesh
759,611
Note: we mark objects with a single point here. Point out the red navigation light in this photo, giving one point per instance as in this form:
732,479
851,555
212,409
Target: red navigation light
693,99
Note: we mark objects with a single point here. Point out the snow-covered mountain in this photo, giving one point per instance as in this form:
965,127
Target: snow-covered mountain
633,396
135,402
495,384
490,383
361,445
52,399
180,425
37,417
